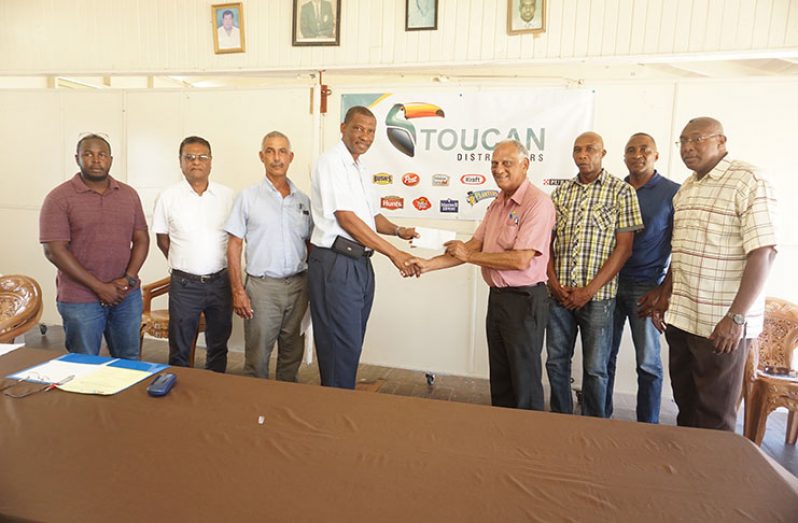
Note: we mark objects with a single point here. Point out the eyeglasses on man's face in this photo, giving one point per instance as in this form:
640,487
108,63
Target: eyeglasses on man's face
201,157
696,141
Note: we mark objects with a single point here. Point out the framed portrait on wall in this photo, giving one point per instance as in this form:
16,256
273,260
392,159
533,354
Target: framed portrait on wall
526,16
421,15
228,28
317,22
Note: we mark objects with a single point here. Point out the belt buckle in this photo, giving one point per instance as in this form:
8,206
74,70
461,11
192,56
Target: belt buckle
205,278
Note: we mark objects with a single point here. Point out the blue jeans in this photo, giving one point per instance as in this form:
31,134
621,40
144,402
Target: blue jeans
594,321
86,323
646,341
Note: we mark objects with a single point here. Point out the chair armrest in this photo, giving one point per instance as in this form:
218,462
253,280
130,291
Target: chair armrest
153,290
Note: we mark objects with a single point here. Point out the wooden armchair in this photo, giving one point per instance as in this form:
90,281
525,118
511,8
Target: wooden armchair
20,305
764,392
156,322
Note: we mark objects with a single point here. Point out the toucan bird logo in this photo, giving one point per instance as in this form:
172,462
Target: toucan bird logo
402,133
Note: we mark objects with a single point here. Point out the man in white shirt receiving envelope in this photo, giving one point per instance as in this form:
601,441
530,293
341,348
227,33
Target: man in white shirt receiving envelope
512,247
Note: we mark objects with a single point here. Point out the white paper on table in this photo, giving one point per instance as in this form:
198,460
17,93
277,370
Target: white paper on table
55,371
432,238
5,348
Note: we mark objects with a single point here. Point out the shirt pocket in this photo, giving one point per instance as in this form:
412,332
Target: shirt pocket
507,236
603,218
299,219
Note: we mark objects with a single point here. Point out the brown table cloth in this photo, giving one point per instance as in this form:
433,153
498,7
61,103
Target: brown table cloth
199,454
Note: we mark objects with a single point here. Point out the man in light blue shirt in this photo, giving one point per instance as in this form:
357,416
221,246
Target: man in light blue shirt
273,218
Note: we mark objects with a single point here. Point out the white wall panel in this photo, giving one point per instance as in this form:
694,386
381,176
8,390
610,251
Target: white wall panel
156,36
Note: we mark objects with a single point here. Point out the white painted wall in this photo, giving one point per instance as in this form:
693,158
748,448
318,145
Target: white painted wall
435,323
175,36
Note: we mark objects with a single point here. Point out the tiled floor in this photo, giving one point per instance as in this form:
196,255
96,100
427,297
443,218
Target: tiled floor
450,388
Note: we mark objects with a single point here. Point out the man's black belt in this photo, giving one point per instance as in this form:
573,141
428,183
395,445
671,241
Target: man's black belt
517,290
202,278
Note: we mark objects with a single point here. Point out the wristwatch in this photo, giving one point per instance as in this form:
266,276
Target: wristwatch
738,319
131,280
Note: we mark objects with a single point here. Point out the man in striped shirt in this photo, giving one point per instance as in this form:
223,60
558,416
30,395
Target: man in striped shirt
724,242
597,215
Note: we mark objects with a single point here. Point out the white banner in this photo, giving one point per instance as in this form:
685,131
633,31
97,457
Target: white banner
431,155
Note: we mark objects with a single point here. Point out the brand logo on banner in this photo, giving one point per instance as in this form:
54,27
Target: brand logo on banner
402,133
422,203
450,205
411,179
383,179
472,179
554,181
473,197
392,202
440,180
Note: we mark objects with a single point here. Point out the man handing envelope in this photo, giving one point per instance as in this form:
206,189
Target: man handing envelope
512,247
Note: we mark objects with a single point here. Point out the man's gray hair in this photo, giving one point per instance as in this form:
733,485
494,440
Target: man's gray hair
276,134
523,152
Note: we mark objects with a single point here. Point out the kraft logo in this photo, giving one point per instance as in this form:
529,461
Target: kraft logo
450,205
473,197
402,133
382,179
440,180
472,179
392,202
411,179
422,203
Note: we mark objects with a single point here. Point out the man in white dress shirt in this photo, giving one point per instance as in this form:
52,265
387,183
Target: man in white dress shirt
228,34
347,228
189,226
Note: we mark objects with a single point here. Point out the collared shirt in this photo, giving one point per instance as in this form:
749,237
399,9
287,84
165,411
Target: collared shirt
522,222
651,251
718,221
195,225
274,228
588,217
231,40
98,227
339,183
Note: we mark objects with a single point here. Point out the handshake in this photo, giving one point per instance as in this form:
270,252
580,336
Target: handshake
409,265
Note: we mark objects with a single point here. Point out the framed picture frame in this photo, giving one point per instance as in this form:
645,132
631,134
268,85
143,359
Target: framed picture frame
228,28
526,16
316,22
421,15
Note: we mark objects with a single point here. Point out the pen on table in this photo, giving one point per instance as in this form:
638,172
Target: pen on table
54,385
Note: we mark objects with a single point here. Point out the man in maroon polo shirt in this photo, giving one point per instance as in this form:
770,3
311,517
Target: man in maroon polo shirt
512,247
93,230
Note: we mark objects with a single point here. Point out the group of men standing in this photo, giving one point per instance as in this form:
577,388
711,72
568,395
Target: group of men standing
583,261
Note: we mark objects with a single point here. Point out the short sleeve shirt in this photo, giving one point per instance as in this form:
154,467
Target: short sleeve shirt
98,228
718,220
274,229
521,222
339,183
588,217
195,225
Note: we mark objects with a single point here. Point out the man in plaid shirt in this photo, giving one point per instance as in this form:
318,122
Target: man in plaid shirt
724,242
597,215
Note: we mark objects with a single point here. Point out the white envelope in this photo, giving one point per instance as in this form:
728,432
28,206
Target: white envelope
432,238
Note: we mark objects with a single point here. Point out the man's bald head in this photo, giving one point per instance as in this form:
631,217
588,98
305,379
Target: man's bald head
702,144
588,154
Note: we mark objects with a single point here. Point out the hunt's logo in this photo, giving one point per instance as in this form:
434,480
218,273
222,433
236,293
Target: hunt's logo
392,202
473,197
440,180
382,179
402,133
411,179
449,205
422,203
472,179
